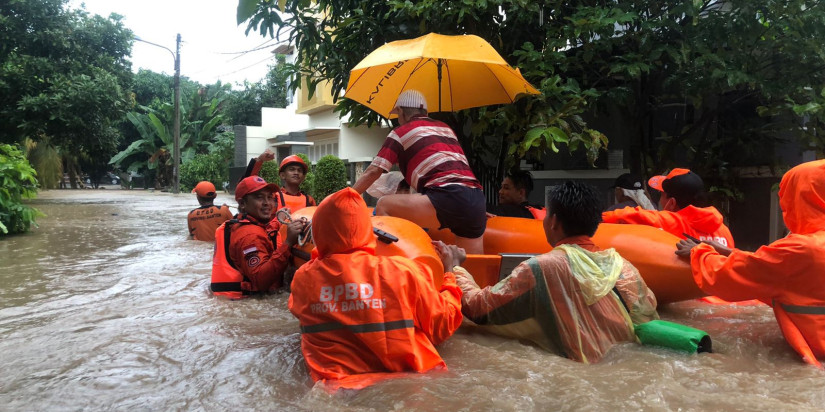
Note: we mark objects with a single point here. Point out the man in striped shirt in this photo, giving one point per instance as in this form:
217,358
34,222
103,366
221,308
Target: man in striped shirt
429,155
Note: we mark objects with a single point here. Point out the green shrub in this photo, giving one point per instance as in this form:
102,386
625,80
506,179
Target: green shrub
330,177
18,181
211,167
269,172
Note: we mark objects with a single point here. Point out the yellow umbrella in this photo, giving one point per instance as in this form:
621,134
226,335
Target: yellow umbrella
453,72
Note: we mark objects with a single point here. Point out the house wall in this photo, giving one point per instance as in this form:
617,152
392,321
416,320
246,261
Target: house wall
361,143
274,122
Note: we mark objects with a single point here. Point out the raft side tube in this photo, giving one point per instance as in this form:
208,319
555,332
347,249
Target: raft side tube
649,249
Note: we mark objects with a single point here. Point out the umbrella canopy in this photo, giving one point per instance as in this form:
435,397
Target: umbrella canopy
453,73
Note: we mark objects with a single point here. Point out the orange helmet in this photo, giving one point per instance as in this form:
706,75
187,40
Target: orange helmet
292,159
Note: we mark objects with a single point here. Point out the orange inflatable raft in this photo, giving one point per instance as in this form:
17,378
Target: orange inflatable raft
508,241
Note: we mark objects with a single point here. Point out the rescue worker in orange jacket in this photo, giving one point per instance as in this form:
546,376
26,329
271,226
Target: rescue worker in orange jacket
789,273
678,214
204,220
364,315
576,300
512,198
246,260
293,172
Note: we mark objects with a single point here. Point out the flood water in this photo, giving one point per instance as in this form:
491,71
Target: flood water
106,306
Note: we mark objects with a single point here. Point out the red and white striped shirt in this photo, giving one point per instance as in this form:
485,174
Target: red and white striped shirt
428,154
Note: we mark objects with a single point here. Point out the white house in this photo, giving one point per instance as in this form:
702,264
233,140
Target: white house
309,126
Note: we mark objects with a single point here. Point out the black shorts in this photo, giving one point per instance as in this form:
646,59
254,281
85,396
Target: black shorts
459,208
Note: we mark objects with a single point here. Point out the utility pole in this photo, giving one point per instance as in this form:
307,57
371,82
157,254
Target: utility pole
176,144
176,154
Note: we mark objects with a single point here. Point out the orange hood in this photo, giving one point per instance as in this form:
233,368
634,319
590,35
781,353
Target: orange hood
802,198
341,224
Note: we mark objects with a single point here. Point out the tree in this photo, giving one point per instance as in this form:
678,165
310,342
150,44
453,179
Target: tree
708,84
331,37
244,106
63,76
152,88
201,118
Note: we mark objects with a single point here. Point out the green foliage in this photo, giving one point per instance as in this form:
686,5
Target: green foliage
63,77
47,161
200,133
244,106
223,145
210,167
330,177
269,172
151,88
18,181
707,84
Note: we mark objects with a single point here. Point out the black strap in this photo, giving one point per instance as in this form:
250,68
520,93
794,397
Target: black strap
226,235
621,299
227,228
249,168
300,254
283,201
231,287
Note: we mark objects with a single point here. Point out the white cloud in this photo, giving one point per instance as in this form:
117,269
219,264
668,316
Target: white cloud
211,39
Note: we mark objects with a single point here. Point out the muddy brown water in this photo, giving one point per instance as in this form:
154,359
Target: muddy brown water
106,306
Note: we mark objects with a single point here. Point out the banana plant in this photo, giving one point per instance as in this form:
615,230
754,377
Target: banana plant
200,117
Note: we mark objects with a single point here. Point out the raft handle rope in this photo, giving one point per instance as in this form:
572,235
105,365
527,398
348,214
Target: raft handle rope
305,236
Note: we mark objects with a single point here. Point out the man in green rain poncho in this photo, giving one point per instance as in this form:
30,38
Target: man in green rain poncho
576,300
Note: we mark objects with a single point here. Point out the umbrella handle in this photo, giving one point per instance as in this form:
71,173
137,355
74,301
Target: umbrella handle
438,64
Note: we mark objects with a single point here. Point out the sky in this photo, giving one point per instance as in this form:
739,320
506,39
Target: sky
213,46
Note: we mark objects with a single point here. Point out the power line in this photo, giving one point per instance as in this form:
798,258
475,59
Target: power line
244,68
258,47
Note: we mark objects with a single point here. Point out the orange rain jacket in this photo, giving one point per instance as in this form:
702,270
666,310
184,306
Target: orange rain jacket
789,273
246,259
705,223
363,315
543,301
204,220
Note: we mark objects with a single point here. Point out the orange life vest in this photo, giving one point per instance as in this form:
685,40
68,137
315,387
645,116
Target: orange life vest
227,280
293,202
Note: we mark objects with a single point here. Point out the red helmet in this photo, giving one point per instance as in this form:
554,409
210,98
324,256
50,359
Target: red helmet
292,159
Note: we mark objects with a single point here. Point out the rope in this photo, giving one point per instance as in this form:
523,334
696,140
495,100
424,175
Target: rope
305,236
